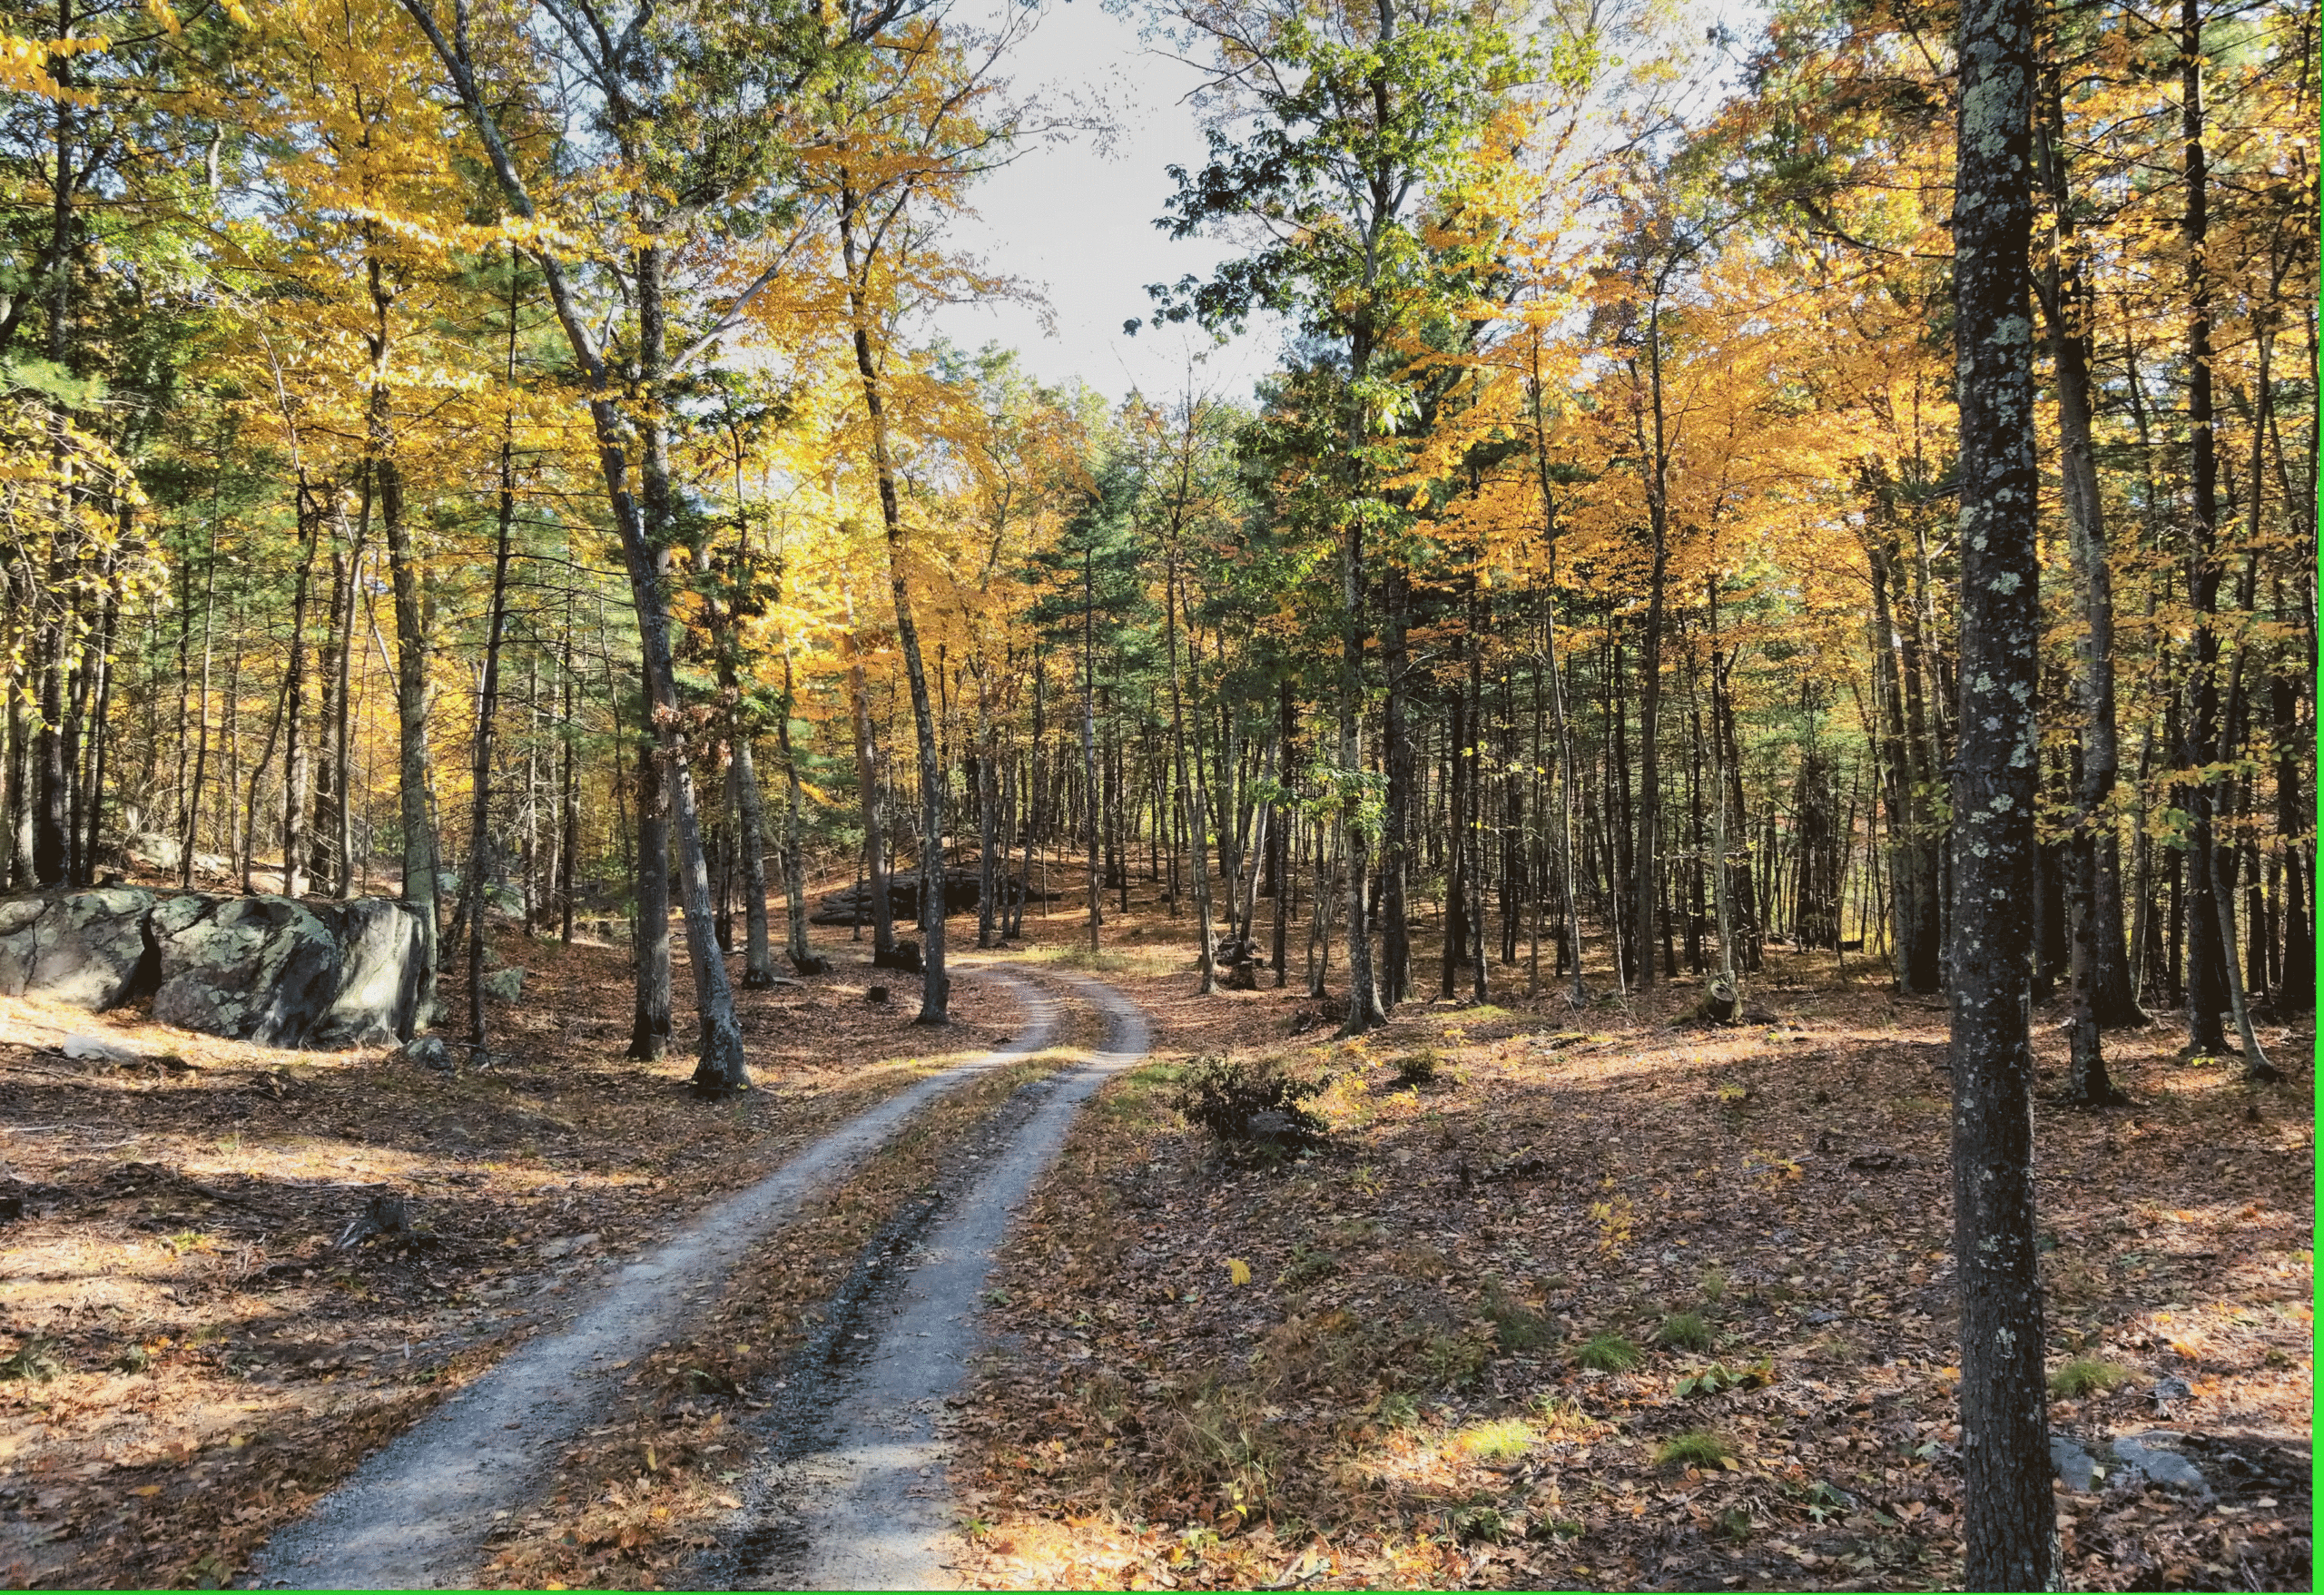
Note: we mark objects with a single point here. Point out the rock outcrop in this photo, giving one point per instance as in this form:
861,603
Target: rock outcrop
86,948
381,956
254,968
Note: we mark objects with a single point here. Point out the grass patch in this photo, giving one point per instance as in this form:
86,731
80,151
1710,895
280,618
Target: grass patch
1685,1331
2089,1376
1501,1440
1516,1328
1696,1448
1609,1354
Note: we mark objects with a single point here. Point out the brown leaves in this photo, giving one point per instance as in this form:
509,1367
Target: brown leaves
1334,1392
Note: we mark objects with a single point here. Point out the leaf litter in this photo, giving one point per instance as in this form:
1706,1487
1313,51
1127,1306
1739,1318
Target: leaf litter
1756,1219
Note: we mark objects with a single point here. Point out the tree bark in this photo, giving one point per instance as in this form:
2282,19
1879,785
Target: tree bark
649,1027
935,1002
2095,854
2009,1514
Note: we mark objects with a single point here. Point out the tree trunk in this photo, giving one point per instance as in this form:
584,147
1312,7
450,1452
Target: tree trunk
488,702
1192,801
794,851
2010,1516
412,694
2066,308
1395,841
869,787
649,1028
935,1000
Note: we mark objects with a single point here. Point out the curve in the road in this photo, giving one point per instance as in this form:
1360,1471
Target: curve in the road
416,1514
854,1497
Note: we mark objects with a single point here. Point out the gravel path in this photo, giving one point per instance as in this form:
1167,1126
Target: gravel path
415,1515
853,1496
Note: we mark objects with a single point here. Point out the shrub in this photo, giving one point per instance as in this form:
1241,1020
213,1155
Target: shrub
1685,1331
1609,1354
1696,1448
1241,1101
1417,1068
2087,1376
1714,1284
1480,1521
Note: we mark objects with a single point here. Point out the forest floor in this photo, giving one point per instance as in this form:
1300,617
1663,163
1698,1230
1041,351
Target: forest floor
1358,1366
1364,1366
188,1357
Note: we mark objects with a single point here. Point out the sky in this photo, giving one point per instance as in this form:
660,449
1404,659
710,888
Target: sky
1076,223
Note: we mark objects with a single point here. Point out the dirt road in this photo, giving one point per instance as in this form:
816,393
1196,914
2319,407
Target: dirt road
416,1514
852,1494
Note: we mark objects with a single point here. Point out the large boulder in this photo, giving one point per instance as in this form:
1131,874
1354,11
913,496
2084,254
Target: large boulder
252,969
85,948
90,947
19,941
382,953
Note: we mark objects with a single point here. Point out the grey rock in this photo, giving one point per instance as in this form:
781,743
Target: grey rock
2172,1389
151,847
1824,1316
425,1052
19,925
93,1048
2160,1464
382,954
2072,1464
1782,1237
90,950
252,969
505,985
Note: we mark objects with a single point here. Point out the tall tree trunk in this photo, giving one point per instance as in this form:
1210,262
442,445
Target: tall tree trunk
419,882
2009,1514
869,787
719,1067
2206,951
1396,753
2096,850
1566,774
1646,870
1363,1010
296,756
1192,802
758,954
935,1002
795,852
650,1020
487,702
1089,734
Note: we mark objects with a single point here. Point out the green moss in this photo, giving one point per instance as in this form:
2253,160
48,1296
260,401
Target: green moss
1696,1448
1609,1354
2087,1376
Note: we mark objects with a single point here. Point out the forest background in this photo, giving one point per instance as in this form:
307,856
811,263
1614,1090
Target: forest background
496,441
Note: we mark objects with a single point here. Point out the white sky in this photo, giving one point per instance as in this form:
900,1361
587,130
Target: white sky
1077,225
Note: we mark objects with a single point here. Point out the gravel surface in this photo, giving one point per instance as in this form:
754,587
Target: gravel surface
853,1495
417,1513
